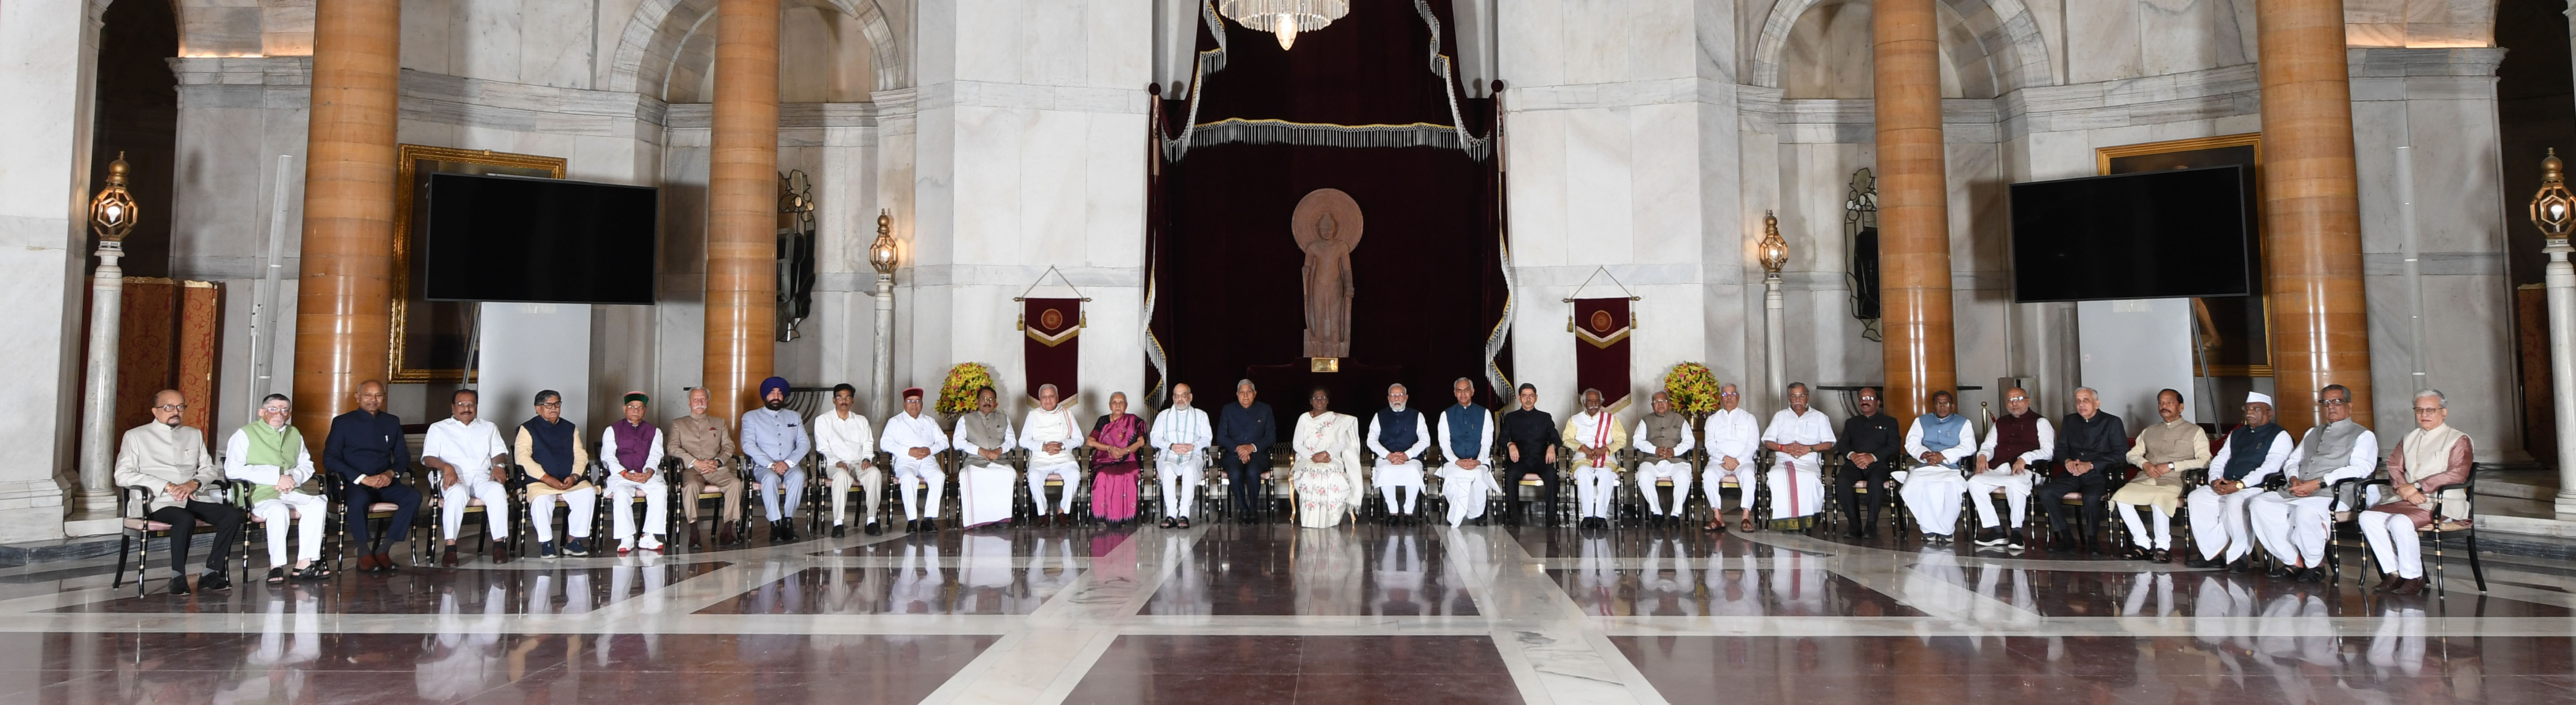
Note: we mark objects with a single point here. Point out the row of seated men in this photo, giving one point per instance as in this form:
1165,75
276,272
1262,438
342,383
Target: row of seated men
467,457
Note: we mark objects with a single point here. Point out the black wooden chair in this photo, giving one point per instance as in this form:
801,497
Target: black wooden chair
139,531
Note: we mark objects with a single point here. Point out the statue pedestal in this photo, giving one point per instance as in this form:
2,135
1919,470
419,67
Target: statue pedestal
1357,389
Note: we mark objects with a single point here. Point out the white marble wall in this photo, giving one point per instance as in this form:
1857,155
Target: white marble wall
50,49
1023,160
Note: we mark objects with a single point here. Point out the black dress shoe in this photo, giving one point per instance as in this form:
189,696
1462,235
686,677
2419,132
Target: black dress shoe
213,581
2193,560
2277,571
179,585
875,528
2312,575
838,531
2160,556
2241,565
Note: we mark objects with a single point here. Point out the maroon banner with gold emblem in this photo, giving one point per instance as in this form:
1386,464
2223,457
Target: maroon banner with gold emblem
1601,328
1051,353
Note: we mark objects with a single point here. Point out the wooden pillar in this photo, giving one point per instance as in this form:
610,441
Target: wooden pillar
342,314
1913,206
742,208
2311,211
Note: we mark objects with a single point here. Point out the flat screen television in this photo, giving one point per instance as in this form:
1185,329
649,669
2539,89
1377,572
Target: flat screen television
2148,235
515,238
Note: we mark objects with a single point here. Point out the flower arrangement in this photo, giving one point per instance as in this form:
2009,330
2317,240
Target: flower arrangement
957,392
1692,389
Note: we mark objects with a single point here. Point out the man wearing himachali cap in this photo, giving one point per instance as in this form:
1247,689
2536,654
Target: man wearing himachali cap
631,447
2251,453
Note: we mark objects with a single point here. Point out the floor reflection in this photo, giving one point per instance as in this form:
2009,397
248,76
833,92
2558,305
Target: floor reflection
1785,583
552,590
1371,570
982,574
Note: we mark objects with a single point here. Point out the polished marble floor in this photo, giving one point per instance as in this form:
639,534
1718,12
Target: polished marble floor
1241,614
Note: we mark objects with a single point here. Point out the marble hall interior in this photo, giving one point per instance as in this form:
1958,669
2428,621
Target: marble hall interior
1574,352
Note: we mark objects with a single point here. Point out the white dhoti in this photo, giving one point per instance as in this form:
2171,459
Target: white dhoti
452,501
2218,522
1933,494
984,493
2016,487
1069,472
305,512
583,500
1797,486
1465,491
1180,481
2293,529
909,475
1652,471
1594,488
871,482
1386,477
621,503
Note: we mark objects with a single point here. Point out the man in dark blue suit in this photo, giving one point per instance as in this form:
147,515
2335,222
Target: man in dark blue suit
366,448
1244,432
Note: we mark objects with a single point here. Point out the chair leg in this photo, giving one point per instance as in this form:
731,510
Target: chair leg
2475,570
124,545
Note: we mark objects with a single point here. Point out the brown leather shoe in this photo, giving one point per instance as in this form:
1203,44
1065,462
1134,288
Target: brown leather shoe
724,534
367,563
500,552
385,563
447,558
694,542
2387,583
2409,586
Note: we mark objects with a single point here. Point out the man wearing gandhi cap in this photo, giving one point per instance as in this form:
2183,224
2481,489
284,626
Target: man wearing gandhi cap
915,441
2251,453
632,450
774,439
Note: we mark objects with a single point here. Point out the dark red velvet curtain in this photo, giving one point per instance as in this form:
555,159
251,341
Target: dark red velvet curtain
1429,286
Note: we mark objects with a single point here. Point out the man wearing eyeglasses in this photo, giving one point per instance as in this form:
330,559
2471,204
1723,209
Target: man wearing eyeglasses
2017,441
2295,522
2094,445
2426,460
268,456
1732,435
1871,449
2250,454
551,450
366,449
1663,442
472,462
171,462
1940,442
1797,438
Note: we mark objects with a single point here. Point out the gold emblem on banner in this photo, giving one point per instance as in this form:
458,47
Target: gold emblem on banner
1601,322
1052,319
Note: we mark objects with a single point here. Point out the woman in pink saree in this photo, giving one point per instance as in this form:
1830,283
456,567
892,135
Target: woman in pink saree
1114,441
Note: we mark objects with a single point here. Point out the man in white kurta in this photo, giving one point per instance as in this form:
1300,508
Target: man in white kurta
2019,443
632,474
984,480
1180,437
1594,435
272,487
1940,443
915,442
848,446
1467,436
2251,453
1798,438
1050,434
1663,442
1733,436
2294,522
1398,435
466,454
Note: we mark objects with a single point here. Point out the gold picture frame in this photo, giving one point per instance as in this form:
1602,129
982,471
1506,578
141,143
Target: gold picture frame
428,337
2229,321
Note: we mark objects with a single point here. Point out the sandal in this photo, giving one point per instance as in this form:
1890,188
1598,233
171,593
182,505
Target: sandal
1746,526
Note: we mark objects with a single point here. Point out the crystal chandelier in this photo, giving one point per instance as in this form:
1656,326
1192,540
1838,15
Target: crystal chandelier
1285,18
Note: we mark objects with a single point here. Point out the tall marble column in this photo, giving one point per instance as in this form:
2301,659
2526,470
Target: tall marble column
1913,205
742,206
342,313
2311,211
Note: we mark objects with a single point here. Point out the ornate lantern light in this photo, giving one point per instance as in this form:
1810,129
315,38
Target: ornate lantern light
112,212
1775,251
1285,18
881,253
2553,210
